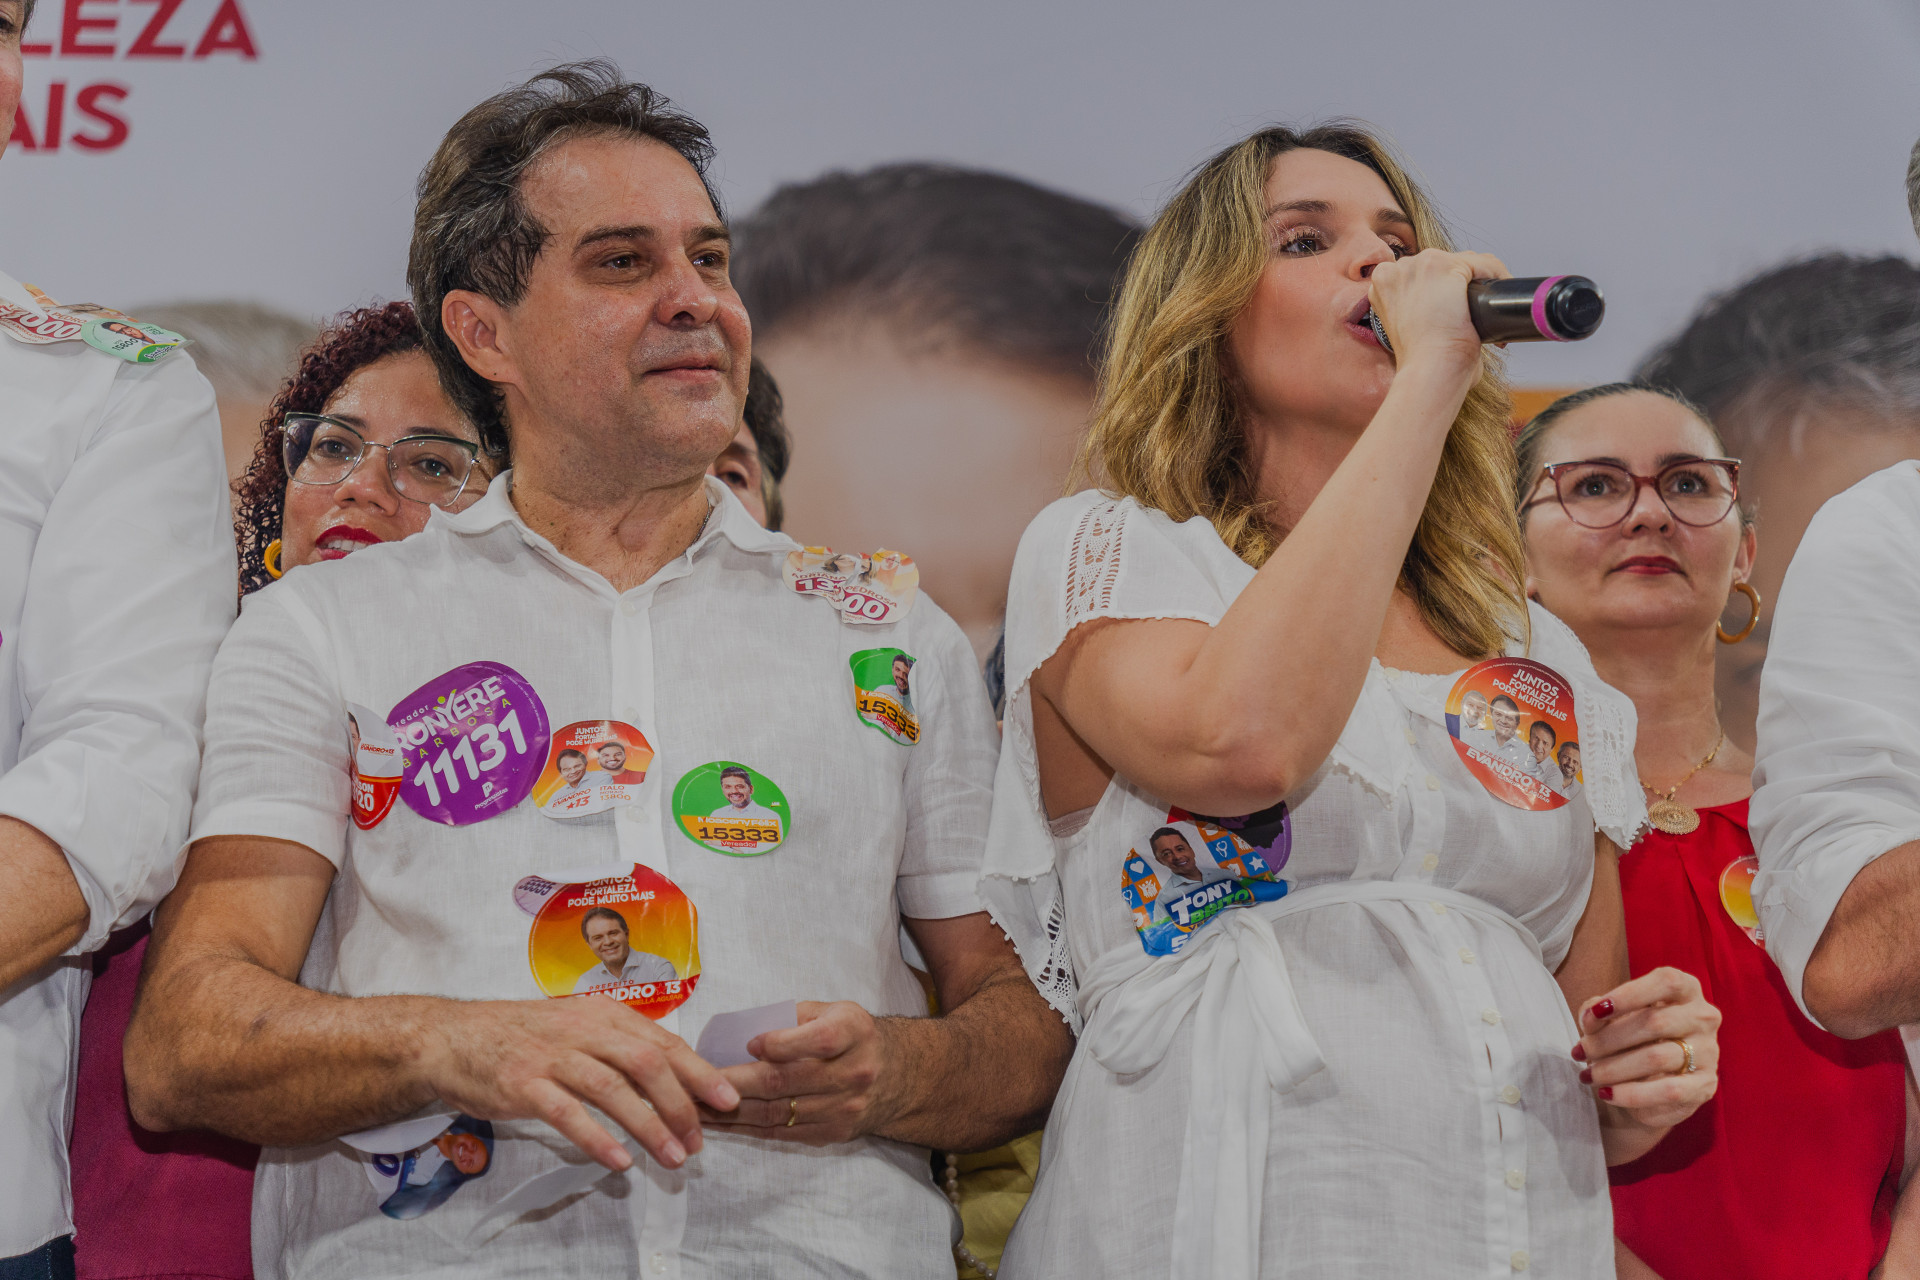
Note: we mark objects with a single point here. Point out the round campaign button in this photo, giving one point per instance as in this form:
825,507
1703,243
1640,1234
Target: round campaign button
631,936
1190,868
592,766
129,339
1512,722
731,809
883,693
474,741
1736,895
375,763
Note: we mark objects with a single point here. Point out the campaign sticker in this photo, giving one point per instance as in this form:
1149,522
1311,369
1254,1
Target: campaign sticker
731,809
592,766
411,1183
871,589
632,936
375,763
1192,868
129,340
1736,895
474,741
883,693
1512,722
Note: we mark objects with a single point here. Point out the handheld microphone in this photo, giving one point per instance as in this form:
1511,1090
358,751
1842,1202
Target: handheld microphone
1534,309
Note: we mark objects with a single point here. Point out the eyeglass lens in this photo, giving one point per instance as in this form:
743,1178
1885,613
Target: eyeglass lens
1599,495
422,468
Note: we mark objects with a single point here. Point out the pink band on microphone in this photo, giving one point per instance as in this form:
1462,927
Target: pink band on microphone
1540,309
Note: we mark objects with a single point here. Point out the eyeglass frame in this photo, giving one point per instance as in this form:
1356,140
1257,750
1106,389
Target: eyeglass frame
471,447
1551,470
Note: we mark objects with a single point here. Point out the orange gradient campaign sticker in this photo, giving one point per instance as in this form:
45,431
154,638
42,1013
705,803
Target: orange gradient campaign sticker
592,766
1512,723
632,936
1736,895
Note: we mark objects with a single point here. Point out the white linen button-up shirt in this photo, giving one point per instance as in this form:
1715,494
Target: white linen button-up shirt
713,659
1837,767
1342,1081
117,581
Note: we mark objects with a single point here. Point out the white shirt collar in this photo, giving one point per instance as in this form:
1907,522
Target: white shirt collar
729,520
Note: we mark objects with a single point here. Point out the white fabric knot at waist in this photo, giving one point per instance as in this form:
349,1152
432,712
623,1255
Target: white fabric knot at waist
1234,972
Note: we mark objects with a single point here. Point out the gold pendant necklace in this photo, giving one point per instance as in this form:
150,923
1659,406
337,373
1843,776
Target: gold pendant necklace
1668,814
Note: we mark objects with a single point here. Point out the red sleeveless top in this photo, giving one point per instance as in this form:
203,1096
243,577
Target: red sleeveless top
1791,1171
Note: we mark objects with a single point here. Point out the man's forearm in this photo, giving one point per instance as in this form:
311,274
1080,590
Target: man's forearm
43,911
220,1043
980,1075
1864,975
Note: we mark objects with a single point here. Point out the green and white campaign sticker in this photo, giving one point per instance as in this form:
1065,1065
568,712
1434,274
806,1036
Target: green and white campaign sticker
129,339
731,809
883,693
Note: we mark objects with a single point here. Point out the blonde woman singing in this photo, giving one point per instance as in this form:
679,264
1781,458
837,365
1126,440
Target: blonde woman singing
1330,1029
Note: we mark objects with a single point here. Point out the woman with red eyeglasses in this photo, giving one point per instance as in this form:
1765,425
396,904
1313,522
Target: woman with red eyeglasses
1637,539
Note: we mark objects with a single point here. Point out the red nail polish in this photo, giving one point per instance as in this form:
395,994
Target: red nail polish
1579,1053
1586,1075
1603,1010
1606,1092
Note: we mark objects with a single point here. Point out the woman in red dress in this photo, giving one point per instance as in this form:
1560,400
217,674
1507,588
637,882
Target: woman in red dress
1637,539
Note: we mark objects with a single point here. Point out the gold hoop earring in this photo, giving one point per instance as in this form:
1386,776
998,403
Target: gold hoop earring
270,559
1753,619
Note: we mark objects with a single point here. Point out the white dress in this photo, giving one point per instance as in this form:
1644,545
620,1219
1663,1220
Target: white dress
1367,1076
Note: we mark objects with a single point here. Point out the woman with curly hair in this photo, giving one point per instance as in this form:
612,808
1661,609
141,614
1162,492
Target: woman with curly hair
357,449
359,446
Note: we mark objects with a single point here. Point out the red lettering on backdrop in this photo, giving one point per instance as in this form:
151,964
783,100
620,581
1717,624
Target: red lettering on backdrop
227,31
147,44
89,103
74,24
22,137
56,116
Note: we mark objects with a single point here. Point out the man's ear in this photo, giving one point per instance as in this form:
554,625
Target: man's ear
476,326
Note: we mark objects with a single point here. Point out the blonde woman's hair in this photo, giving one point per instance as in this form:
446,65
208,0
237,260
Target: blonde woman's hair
1167,426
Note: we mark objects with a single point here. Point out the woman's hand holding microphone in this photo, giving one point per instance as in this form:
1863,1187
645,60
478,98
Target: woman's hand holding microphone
1421,301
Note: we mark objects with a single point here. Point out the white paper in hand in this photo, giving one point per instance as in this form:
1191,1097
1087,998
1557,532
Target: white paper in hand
724,1041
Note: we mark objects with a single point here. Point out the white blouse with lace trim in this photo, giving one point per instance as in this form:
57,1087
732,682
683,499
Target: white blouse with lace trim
1449,1133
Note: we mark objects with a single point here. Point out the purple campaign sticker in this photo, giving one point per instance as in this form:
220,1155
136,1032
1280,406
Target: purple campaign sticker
474,740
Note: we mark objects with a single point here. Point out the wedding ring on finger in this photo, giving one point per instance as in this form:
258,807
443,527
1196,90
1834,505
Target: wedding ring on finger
793,1104
1686,1049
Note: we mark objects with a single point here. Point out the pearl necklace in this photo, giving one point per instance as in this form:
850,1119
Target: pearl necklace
961,1253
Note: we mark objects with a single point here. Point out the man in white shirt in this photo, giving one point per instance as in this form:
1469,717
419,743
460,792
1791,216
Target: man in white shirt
1836,803
572,766
737,785
606,932
117,581
569,265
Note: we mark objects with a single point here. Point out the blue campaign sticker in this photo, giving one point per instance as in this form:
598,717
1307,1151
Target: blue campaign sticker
410,1183
1192,868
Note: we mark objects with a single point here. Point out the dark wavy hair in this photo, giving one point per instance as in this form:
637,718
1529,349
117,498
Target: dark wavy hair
473,231
354,340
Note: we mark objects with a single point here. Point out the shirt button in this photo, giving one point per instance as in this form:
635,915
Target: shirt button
1510,1095
1439,908
1409,733
1433,783
629,608
1429,862
658,1264
1490,1016
1519,1260
1466,955
1516,1179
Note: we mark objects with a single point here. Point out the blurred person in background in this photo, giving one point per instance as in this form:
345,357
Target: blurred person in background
1811,371
755,461
246,351
933,330
1795,1168
116,586
179,1204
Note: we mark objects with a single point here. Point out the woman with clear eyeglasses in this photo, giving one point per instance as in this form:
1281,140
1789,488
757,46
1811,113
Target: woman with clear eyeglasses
361,445
1637,539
